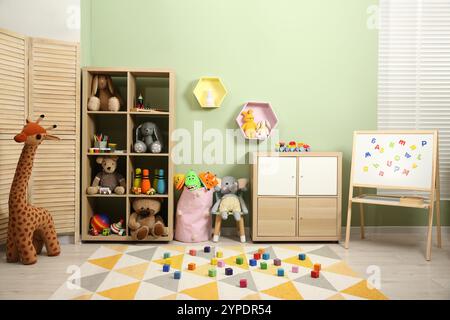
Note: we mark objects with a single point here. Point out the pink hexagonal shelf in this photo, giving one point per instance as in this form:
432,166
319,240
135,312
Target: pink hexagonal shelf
263,114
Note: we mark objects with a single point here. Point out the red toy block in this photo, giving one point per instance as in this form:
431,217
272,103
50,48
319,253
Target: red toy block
243,283
314,274
257,256
317,267
193,252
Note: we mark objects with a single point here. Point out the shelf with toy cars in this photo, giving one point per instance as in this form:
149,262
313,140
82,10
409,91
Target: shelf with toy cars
157,87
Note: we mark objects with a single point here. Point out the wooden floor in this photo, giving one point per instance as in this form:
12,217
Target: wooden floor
398,252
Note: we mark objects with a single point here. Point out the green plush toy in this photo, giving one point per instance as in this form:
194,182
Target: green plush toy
192,181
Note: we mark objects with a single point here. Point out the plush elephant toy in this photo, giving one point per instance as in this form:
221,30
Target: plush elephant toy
148,138
229,198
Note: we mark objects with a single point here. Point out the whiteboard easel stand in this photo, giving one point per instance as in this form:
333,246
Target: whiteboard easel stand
434,196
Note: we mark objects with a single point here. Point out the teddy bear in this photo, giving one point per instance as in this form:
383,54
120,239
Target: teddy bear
103,96
108,178
145,220
249,125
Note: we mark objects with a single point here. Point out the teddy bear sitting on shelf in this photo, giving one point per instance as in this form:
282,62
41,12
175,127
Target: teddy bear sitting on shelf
108,178
144,220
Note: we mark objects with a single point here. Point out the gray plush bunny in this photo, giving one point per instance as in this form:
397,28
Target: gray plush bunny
148,138
229,198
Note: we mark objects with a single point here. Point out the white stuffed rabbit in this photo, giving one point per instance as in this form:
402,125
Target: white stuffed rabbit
263,129
103,96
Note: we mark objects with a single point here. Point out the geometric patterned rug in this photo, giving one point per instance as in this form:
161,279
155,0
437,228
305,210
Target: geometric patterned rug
122,272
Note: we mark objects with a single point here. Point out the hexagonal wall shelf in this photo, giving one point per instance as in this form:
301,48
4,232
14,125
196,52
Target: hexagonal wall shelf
210,92
262,111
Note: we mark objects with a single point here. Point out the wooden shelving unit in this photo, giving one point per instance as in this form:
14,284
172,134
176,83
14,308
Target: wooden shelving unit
158,88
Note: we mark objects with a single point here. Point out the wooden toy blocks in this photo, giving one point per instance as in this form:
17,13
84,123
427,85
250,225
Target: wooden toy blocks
252,262
239,260
166,255
266,256
261,250
243,283
166,268
294,269
207,249
277,262
219,254
302,256
220,263
314,274
212,272
191,266
280,272
177,275
228,271
193,252
263,265
257,256
214,261
317,267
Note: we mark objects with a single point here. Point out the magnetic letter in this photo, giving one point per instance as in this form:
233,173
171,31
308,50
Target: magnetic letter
407,155
396,168
368,154
402,142
381,173
377,147
374,140
391,145
424,143
405,172
389,163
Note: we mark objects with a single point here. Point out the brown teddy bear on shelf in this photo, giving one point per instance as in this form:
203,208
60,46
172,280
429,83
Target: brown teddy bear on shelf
108,180
145,220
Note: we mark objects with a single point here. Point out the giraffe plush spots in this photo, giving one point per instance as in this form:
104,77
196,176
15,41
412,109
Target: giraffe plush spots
29,228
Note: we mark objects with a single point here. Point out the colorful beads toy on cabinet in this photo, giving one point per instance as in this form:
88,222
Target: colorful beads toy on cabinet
292,146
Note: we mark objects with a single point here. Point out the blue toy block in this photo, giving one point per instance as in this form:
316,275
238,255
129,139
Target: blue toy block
228,271
266,256
166,268
207,249
302,256
253,262
177,275
280,272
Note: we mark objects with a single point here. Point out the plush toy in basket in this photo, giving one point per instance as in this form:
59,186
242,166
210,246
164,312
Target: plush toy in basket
193,219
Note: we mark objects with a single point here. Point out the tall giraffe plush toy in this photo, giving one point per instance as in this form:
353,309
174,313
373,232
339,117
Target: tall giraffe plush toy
29,228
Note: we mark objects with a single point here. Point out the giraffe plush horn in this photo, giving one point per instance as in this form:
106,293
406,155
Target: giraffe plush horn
40,118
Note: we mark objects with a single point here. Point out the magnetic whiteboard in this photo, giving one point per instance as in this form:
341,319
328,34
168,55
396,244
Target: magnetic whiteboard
393,160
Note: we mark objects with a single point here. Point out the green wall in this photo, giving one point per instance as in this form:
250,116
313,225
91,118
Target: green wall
314,60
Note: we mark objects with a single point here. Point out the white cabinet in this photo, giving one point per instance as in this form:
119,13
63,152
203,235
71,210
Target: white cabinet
317,176
296,196
277,176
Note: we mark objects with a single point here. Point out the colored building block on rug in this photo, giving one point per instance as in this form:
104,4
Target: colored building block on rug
207,249
243,283
219,254
280,272
266,256
294,269
253,262
214,261
220,263
228,271
302,256
166,268
191,266
263,265
257,256
193,252
177,275
166,255
317,266
212,272
314,274
239,260
277,262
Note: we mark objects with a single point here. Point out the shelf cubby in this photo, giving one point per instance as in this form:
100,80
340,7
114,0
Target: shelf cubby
163,213
215,86
162,122
114,207
158,88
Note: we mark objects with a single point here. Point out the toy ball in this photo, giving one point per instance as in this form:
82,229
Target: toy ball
100,222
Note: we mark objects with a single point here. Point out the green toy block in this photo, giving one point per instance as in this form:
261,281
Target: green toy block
166,255
212,272
263,265
239,260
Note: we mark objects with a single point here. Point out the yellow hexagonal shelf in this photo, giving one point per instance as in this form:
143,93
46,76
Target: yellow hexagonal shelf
210,92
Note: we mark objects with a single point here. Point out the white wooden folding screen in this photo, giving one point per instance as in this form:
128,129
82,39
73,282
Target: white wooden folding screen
41,76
